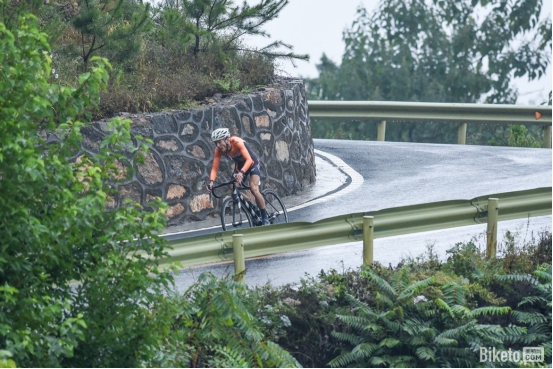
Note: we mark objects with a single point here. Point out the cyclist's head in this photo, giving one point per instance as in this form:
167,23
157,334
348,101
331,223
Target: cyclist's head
220,134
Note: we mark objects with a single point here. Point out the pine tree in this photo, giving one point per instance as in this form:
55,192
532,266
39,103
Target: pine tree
110,28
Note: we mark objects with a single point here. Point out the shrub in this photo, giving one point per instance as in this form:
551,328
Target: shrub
425,312
211,327
78,283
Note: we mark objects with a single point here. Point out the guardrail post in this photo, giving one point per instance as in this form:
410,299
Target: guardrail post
462,134
238,251
547,137
381,136
368,237
491,233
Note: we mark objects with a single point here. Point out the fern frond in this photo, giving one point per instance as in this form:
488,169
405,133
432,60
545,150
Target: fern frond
378,361
443,341
414,326
532,300
518,278
392,326
343,360
444,306
415,288
347,337
280,358
515,334
373,327
544,274
457,331
354,321
426,353
427,309
489,333
491,310
529,339
540,329
547,348
417,341
382,285
461,311
365,349
400,313
514,330
528,318
228,358
389,342
454,293
243,319
400,361
460,362
384,299
401,280
452,352
360,306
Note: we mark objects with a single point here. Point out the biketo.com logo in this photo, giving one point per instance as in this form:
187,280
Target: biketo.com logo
527,355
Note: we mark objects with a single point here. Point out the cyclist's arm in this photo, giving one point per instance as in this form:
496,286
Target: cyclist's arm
215,166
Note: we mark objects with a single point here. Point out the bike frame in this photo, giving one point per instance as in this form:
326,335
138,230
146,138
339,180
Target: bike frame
241,200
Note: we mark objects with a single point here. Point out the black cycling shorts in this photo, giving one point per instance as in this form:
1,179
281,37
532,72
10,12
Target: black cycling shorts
255,169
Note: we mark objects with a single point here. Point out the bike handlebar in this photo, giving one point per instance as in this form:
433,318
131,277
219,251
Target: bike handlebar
231,182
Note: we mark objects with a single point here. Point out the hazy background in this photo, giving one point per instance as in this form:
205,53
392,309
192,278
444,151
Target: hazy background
315,26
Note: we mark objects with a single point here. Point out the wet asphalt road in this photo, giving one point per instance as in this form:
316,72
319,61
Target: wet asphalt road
393,174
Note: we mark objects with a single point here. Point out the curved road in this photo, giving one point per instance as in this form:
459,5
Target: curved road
370,175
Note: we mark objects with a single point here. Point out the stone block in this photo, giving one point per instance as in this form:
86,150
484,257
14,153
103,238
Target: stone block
201,202
175,191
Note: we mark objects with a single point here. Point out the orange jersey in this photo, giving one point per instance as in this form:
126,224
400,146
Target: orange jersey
239,152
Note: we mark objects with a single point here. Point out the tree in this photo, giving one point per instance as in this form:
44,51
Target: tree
112,27
49,13
221,24
78,282
518,136
440,51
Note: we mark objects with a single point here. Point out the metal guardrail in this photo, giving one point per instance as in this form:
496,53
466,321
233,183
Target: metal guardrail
437,112
294,236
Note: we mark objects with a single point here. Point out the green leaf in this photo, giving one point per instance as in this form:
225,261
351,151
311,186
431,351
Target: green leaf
389,342
425,353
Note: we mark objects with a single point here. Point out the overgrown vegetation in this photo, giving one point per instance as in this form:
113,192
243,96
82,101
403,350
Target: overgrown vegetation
211,327
56,230
424,313
170,55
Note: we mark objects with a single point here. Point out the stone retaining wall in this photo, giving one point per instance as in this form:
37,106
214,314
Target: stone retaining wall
273,120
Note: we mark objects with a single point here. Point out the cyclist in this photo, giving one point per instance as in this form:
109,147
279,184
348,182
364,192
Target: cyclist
246,163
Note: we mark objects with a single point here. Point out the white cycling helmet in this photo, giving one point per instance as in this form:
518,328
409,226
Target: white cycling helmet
220,134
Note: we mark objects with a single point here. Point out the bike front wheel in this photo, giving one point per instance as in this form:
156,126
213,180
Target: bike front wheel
276,211
233,215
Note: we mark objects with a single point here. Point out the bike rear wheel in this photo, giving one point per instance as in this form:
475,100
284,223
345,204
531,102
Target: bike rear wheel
276,211
233,215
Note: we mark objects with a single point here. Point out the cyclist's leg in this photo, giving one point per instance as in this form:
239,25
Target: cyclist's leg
255,180
254,188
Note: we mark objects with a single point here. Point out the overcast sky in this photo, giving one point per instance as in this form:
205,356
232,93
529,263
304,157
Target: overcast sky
315,26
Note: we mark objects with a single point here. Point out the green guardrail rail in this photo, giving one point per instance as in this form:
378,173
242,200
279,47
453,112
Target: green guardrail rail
462,114
444,112
294,236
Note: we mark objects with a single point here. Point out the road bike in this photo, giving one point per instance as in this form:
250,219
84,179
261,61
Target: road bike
238,212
